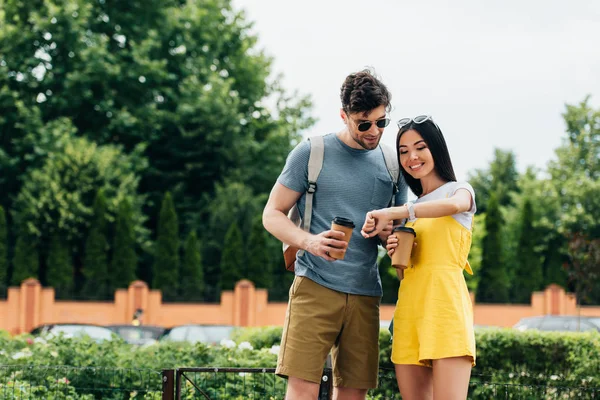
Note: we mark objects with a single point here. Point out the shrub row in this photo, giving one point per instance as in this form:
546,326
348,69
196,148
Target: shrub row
113,368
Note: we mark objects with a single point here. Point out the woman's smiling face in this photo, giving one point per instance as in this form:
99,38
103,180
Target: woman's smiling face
415,157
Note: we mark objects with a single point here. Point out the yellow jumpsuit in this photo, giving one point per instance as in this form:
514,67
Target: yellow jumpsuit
434,314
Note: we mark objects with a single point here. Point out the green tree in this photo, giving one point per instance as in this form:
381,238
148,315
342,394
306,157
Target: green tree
232,260
26,261
575,182
60,193
493,284
257,265
546,238
475,252
166,257
584,266
3,252
192,273
57,198
576,171
554,258
185,78
500,178
59,267
233,203
124,258
95,264
528,274
389,280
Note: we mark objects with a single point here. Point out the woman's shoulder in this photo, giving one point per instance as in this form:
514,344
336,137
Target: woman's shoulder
448,190
467,186
454,186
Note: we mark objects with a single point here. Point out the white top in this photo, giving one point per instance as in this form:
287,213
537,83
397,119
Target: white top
447,190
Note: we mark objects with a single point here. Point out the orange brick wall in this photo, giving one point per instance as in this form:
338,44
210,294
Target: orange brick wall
31,305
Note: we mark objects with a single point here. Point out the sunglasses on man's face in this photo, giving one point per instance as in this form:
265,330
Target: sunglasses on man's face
366,125
417,120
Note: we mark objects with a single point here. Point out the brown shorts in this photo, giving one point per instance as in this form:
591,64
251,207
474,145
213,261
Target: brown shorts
318,320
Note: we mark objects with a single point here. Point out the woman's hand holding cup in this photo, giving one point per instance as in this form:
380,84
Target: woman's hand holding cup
392,243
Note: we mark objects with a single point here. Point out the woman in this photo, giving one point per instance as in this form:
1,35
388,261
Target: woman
433,341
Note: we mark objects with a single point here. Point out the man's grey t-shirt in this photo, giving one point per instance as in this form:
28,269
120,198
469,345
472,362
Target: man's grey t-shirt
351,183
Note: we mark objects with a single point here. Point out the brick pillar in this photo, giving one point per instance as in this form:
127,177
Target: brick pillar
29,305
137,298
554,296
244,303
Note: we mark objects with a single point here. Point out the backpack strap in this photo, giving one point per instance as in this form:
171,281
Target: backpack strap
391,163
315,163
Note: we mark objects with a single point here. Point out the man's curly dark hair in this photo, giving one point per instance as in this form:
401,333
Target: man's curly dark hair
363,91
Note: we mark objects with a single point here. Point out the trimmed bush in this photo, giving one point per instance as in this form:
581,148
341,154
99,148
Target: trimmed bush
259,338
524,365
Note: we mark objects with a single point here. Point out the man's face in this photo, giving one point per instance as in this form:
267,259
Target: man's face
368,139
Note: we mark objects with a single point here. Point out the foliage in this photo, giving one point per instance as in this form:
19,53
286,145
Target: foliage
575,179
95,264
166,256
528,274
584,266
539,358
576,171
389,280
500,178
183,85
548,243
58,196
186,78
282,278
124,258
512,360
53,388
505,357
192,271
234,203
478,234
233,261
59,272
258,265
26,259
3,251
493,283
259,337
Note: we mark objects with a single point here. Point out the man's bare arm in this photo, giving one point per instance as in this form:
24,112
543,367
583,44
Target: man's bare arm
275,220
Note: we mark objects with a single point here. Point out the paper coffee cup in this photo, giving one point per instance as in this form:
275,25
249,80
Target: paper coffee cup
406,238
345,225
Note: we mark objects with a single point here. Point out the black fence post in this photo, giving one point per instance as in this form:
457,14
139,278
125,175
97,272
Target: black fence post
326,387
168,384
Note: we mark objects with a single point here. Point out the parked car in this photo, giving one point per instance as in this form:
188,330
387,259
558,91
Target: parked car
569,323
209,334
97,333
138,334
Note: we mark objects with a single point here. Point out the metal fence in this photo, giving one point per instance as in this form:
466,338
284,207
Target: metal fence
18,382
248,383
25,382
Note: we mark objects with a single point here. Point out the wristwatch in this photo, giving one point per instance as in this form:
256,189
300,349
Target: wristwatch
410,207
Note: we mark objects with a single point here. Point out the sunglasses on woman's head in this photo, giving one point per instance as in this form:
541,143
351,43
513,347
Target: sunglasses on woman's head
366,125
417,120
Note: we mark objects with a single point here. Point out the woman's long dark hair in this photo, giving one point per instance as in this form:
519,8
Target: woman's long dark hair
432,135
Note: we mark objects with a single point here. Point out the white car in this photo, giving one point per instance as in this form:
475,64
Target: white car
565,323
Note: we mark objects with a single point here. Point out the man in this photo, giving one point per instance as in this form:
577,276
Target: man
334,304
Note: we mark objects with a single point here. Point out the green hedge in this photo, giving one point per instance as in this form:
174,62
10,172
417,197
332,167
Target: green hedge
575,356
510,361
517,363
